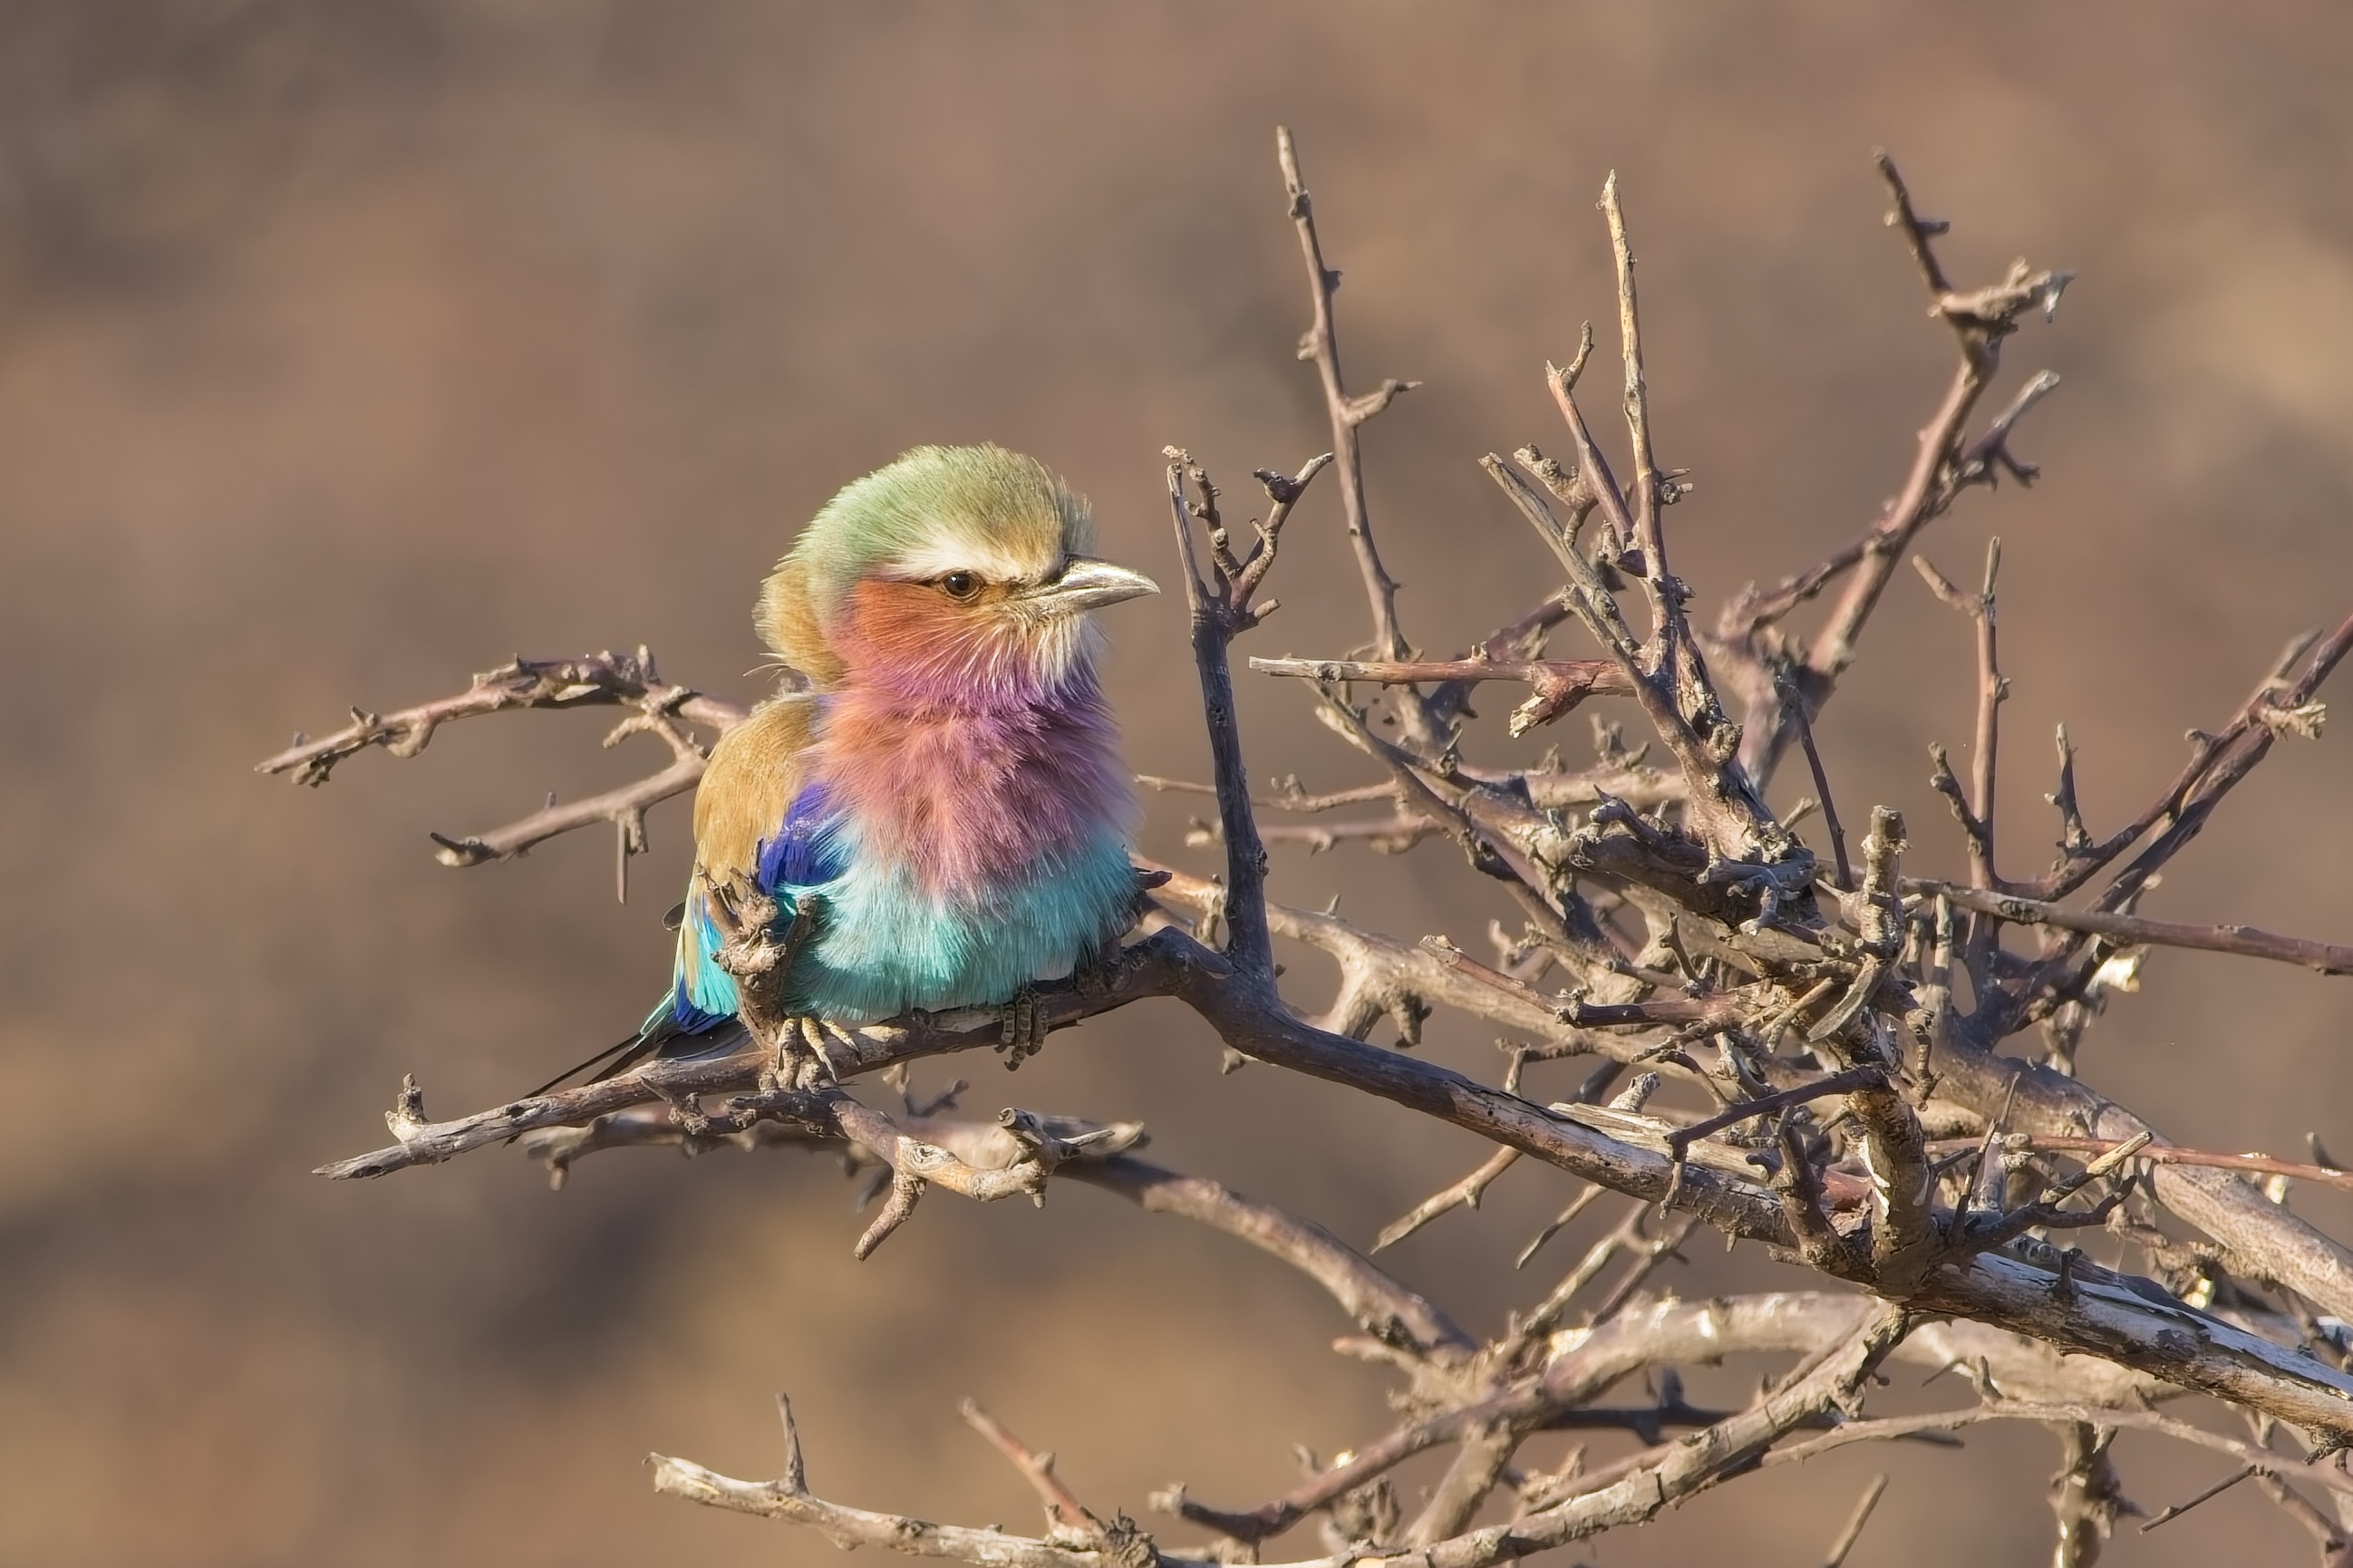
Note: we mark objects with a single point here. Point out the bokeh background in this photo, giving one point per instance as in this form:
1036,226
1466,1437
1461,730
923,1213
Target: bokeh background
347,348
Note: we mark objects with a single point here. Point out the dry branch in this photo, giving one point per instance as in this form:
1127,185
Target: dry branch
2244,941
1321,344
600,680
1560,684
1944,463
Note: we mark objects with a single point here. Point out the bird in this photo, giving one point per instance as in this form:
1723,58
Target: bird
948,784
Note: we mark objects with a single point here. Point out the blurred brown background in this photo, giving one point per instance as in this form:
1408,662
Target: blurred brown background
345,348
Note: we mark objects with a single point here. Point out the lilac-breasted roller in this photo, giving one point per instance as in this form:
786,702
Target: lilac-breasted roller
950,786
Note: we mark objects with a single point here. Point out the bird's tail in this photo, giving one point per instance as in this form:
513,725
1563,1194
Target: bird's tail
662,1028
625,1055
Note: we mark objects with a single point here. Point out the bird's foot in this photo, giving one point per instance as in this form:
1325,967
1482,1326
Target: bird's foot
1025,1028
1098,972
801,1060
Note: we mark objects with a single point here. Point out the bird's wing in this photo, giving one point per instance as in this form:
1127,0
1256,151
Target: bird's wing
741,803
745,795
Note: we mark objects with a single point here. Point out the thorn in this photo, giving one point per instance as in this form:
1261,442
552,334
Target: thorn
460,851
2063,1289
795,1478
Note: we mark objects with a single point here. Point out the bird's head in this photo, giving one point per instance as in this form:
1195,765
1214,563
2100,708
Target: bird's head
955,571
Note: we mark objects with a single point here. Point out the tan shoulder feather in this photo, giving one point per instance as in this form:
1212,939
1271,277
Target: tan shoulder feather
755,772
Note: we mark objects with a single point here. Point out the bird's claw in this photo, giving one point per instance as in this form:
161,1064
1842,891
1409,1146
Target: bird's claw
1025,1029
801,1060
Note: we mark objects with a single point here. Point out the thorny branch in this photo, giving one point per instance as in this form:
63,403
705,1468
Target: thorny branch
1803,1074
600,679
1759,658
1974,810
1321,344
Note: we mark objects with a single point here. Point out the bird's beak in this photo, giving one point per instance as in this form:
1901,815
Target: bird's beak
1087,583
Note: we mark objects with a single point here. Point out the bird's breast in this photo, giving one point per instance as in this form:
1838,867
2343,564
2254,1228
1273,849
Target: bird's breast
962,851
968,800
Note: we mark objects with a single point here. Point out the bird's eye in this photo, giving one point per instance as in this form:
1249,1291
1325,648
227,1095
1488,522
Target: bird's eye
960,584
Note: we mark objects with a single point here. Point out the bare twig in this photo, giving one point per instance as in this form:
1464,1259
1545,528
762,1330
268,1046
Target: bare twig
1656,1335
2167,1154
1976,811
1394,1315
2244,941
984,1144
1288,794
1666,605
1560,683
1805,726
1853,1530
2281,704
1943,466
2329,1538
1708,1457
1321,344
2085,1495
1065,1514
1384,835
1765,1105
600,679
2260,1238
1903,1238
2059,1412
1220,611
2172,1512
1523,636
1465,1194
788,1498
1677,700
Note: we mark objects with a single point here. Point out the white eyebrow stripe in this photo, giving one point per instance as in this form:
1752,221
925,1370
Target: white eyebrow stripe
993,562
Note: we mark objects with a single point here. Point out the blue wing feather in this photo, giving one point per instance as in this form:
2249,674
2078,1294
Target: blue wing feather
803,852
